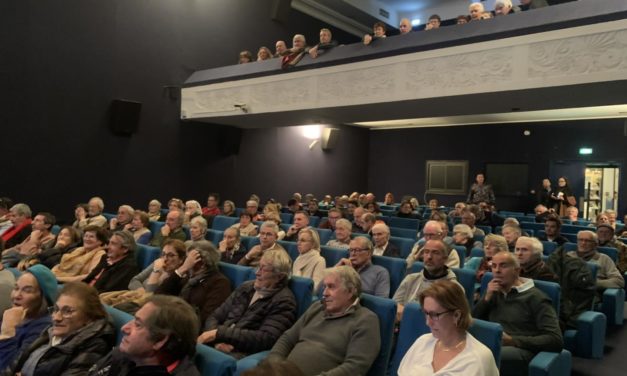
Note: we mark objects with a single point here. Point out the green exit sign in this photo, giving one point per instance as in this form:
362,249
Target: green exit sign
585,151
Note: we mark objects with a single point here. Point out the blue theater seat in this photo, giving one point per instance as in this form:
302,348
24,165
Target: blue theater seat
395,266
221,222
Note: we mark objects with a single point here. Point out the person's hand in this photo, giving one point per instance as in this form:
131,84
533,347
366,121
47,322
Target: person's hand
254,252
344,261
507,340
208,336
80,214
493,286
159,263
11,318
429,27
35,235
192,258
62,243
113,223
222,245
313,52
224,347
128,226
165,230
367,39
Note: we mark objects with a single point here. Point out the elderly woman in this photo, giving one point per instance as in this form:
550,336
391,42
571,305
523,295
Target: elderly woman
154,211
228,208
231,248
276,218
34,292
449,349
257,312
464,236
193,209
493,244
198,280
79,336
68,239
245,226
264,53
76,265
388,199
176,204
139,227
197,230
343,229
309,263
406,210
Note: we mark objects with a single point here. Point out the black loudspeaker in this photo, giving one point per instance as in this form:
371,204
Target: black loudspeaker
280,10
329,138
229,139
124,117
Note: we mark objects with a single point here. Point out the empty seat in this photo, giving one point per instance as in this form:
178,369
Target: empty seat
396,267
221,222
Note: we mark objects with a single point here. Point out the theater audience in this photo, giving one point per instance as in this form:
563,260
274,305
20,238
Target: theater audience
172,256
378,31
279,48
563,196
228,209
435,255
198,280
173,229
433,23
264,53
252,208
293,56
404,27
382,244
530,324
139,227
343,335
34,291
67,240
493,244
332,216
300,221
406,210
608,275
326,43
571,213
80,335
342,234
245,226
552,230
367,222
76,265
212,209
529,254
159,341
312,209
458,210
197,230
20,217
193,209
433,230
245,57
7,282
39,238
309,263
124,217
449,349
154,210
268,242
373,208
230,247
375,279
463,236
5,222
115,269
504,7
463,19
511,233
476,10
257,313
93,217
605,235
176,204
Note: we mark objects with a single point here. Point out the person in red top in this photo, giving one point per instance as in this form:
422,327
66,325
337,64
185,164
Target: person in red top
20,216
212,208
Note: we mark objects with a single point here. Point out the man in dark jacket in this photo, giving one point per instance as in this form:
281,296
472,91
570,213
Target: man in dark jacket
160,341
529,254
257,313
115,269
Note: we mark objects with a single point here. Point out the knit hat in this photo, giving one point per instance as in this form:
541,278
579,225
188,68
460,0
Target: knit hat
46,280
606,225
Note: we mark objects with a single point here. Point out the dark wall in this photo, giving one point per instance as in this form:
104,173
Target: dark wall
397,158
66,60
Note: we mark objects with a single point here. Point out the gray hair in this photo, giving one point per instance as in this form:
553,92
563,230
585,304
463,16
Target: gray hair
315,238
499,242
208,253
513,227
475,4
366,243
201,222
271,226
252,203
128,209
505,3
128,241
349,278
536,245
344,223
181,217
280,261
381,226
512,258
234,229
98,201
155,202
511,221
22,209
445,247
593,234
464,229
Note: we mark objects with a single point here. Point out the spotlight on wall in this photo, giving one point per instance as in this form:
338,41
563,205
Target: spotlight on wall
415,22
312,132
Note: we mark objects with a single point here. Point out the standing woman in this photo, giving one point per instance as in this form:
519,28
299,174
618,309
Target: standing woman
34,292
481,192
79,336
449,349
564,196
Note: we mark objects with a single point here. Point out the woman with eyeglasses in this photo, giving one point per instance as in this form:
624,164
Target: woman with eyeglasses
79,336
449,349
34,292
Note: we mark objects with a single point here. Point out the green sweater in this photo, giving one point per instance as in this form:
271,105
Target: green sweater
527,316
319,345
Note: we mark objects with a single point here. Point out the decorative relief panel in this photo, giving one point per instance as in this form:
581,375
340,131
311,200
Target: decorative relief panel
596,53
356,85
459,71
218,100
279,94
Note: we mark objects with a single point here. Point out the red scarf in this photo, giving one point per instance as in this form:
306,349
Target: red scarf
8,234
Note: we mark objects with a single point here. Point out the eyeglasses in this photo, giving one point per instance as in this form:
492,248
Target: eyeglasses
266,234
585,241
428,235
357,250
168,255
435,316
66,312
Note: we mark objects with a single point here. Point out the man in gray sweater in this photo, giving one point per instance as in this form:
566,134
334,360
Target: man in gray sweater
336,336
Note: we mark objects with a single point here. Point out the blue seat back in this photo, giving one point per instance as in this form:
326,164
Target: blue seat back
146,255
385,309
290,247
609,251
461,252
302,288
486,229
466,278
314,221
548,247
237,274
109,216
404,245
55,230
413,325
477,252
332,255
325,235
594,268
286,217
409,223
490,334
573,229
416,267
221,222
211,362
118,319
249,241
155,227
395,266
570,246
403,233
532,226
214,236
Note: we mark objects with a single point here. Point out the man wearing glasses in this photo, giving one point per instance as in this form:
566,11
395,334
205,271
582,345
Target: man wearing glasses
333,216
530,324
268,235
433,230
375,279
608,276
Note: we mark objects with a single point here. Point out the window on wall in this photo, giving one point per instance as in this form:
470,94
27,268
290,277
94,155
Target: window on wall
447,177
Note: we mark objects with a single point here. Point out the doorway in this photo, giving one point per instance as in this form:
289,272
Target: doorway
601,190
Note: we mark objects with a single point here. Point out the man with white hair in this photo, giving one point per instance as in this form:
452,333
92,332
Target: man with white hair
173,229
608,275
20,217
529,254
268,236
124,218
382,244
358,214
375,279
405,26
475,10
94,216
252,208
504,7
432,231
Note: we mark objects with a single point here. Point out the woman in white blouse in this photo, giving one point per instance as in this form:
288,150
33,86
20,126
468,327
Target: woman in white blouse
309,263
449,349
